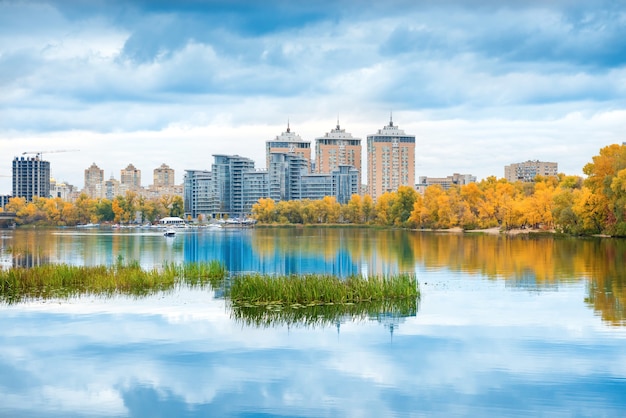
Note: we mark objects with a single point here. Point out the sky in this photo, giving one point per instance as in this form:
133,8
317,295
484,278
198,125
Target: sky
481,84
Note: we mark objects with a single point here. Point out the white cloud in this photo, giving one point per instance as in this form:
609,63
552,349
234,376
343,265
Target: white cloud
479,88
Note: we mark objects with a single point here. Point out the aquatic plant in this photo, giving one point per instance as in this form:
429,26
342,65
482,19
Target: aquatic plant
312,289
275,315
62,280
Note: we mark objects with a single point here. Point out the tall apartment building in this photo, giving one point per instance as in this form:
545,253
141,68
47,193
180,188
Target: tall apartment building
336,148
94,182
163,176
130,178
256,186
197,198
390,160
112,188
528,170
288,142
228,185
346,181
285,176
31,177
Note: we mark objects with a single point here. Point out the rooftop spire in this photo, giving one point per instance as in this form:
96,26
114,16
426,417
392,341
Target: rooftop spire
390,119
288,129
338,122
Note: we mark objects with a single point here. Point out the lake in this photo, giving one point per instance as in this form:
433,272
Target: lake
506,326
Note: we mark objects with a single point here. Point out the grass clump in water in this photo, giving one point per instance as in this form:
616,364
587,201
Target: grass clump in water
311,289
62,280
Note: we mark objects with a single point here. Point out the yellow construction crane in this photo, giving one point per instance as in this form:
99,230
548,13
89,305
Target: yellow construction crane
39,153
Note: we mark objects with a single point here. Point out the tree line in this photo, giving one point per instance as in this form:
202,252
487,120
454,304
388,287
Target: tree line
123,209
568,204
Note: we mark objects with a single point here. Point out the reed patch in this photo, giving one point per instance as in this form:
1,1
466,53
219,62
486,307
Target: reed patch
312,289
62,280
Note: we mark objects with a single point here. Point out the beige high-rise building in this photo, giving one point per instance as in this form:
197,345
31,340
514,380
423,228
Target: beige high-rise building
94,182
130,178
528,170
390,160
163,176
336,148
288,142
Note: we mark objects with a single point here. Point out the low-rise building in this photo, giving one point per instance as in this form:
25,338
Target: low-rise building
455,179
62,190
528,170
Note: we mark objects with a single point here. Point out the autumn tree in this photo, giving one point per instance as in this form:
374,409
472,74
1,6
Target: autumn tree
383,208
353,210
368,209
605,180
265,210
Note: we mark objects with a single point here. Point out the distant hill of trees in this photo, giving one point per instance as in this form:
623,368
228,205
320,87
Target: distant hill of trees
122,209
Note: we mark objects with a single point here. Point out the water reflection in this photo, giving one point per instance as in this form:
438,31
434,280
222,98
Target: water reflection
180,355
389,313
528,262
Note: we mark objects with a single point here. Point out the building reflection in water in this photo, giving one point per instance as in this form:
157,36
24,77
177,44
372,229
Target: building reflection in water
240,252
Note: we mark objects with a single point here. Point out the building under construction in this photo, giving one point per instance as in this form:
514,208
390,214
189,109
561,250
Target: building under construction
31,177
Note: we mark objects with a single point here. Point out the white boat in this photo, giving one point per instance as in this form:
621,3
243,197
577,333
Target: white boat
89,225
169,232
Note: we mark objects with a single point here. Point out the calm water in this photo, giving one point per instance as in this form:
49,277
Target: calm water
505,327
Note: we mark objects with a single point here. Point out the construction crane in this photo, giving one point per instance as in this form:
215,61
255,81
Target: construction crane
39,153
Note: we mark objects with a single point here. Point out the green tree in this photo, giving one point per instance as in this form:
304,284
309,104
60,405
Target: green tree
178,207
402,205
104,210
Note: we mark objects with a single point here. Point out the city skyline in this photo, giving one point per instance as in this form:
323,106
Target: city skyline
480,84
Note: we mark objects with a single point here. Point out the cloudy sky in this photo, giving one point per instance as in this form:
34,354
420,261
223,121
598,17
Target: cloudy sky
481,84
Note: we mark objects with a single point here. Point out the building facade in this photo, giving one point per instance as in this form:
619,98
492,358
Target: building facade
336,148
390,160
197,197
4,200
346,181
31,178
315,186
94,182
285,176
130,178
288,142
163,176
256,186
455,179
62,190
228,184
528,170
112,188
